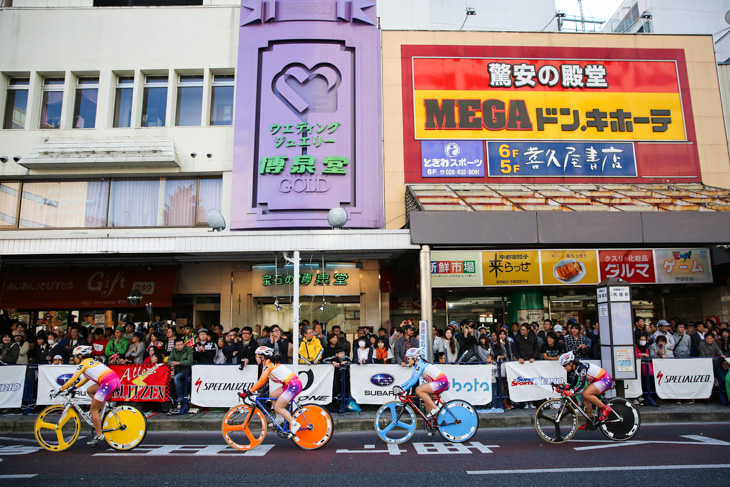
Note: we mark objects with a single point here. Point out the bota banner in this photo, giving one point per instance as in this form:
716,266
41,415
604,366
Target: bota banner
52,377
683,378
12,384
143,383
531,381
472,383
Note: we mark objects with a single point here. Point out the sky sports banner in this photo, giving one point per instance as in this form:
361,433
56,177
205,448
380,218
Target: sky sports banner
52,377
531,381
471,383
316,384
373,383
12,385
683,378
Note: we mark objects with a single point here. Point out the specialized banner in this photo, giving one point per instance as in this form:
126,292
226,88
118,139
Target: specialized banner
143,383
217,386
316,384
373,383
51,378
690,378
531,381
12,385
471,383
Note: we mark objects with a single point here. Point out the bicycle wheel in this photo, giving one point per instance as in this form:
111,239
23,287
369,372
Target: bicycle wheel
457,421
321,423
556,421
54,434
239,433
128,425
623,422
395,422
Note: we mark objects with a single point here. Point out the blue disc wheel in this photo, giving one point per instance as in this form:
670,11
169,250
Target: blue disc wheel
457,421
395,422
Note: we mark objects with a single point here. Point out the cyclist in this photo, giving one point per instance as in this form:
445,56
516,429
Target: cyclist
107,381
437,382
595,380
291,385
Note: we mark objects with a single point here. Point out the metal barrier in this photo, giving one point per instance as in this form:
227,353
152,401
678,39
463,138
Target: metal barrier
29,393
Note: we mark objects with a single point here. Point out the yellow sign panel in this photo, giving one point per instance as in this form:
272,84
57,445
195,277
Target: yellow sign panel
511,268
540,115
569,267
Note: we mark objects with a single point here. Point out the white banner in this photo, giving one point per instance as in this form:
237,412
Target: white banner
12,385
632,388
52,377
531,381
217,386
689,378
373,383
316,383
471,383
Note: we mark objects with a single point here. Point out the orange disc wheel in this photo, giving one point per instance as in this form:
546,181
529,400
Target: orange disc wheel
244,428
315,427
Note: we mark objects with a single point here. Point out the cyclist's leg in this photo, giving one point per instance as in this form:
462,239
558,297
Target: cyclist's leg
293,388
101,392
590,398
424,391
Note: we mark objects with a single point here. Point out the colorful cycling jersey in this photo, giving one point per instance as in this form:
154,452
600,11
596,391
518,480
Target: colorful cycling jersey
429,372
92,370
279,374
584,375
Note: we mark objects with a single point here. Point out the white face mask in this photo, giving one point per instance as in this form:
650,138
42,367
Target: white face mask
51,342
362,344
642,342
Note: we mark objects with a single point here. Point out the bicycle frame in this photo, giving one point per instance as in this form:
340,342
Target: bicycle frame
69,398
581,409
408,399
260,404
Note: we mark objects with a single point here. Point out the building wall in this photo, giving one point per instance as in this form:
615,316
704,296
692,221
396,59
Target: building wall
703,85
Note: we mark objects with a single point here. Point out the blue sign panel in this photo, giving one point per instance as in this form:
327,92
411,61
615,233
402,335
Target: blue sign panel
460,159
561,159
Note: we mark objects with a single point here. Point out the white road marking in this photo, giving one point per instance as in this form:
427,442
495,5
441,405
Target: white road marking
595,469
21,440
392,450
698,440
19,476
187,451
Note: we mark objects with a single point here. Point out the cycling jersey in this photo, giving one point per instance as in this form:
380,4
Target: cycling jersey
281,375
92,370
430,372
585,374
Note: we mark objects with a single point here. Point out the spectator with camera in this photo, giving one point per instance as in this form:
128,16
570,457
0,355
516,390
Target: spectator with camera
404,343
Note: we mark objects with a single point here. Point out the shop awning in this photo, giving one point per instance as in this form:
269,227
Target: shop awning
542,214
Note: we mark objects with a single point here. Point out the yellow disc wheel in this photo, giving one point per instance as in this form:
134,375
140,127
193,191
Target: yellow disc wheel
56,431
244,428
125,428
321,427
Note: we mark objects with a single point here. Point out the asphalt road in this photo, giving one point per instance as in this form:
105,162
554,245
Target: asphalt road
678,454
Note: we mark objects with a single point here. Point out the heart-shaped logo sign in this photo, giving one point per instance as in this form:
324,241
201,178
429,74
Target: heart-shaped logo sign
304,90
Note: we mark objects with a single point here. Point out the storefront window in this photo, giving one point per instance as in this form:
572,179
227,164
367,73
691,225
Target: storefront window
179,206
8,203
134,203
68,204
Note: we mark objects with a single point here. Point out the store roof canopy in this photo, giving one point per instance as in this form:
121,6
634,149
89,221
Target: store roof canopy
571,214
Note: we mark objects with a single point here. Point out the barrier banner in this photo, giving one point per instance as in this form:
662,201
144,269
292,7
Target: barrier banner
51,378
632,388
316,384
143,383
531,381
683,378
373,383
12,384
217,386
471,383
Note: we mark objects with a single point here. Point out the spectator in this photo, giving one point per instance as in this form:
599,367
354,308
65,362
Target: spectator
592,335
526,345
157,324
342,339
503,351
117,345
169,344
647,368
721,373
54,348
397,333
129,332
310,349
438,345
230,347
382,332
181,358
682,343
9,350
98,346
247,348
216,332
558,329
340,361
74,340
547,327
278,343
514,331
373,340
205,350
640,330
467,340
154,358
403,344
23,346
658,349
552,349
534,328
264,335
57,360
188,336
483,349
708,347
723,341
697,338
575,342
318,333
135,352
383,355
220,357
39,354
450,347
663,330
330,350
364,352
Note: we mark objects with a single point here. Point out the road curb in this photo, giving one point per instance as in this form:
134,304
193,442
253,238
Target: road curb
191,423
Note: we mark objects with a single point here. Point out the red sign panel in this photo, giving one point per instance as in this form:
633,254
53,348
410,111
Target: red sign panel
143,383
100,287
635,266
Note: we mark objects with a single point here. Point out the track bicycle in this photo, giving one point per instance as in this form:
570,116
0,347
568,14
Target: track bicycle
57,426
244,426
556,420
395,422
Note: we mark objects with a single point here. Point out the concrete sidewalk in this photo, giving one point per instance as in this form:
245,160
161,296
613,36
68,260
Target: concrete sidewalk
210,420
